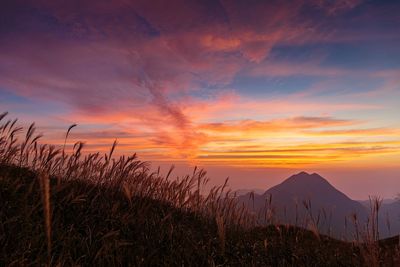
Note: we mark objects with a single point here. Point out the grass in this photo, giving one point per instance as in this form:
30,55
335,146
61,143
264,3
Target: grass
61,209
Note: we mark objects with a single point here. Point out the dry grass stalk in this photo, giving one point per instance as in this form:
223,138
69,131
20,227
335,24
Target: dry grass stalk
221,232
45,189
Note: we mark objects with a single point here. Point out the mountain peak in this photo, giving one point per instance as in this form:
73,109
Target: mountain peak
306,185
305,177
304,173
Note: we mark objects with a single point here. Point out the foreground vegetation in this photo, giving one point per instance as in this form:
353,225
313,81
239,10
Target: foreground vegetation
67,209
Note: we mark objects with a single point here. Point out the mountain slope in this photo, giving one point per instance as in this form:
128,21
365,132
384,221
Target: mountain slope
308,200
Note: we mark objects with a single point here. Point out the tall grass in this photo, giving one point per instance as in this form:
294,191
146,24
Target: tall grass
70,179
125,173
45,192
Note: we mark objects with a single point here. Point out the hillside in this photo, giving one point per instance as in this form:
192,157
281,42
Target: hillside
95,225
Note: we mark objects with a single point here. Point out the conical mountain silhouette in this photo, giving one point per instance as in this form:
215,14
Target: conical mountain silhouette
309,200
313,187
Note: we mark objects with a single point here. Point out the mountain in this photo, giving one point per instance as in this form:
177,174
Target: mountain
310,201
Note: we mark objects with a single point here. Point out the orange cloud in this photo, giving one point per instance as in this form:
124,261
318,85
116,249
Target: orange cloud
378,132
278,125
293,141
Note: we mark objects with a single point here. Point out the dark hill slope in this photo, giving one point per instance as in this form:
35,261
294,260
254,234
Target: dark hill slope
97,226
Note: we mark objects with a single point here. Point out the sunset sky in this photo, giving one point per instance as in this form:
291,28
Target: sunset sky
253,90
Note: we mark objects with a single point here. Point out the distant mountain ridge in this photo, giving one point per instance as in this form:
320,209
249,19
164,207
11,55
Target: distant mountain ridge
241,192
385,201
389,218
309,200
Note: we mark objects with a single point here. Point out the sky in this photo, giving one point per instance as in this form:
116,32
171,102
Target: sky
251,90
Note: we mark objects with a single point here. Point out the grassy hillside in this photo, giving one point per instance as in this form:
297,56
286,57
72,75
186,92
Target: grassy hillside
69,209
95,225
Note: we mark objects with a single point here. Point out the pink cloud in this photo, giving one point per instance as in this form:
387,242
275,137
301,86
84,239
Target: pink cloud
335,7
190,46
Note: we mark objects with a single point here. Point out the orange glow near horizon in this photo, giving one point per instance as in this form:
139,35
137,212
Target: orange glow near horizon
280,142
